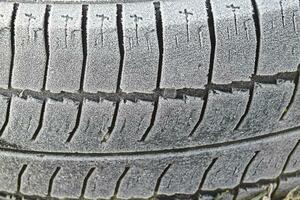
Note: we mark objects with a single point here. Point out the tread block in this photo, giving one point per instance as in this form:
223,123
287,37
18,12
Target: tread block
30,50
59,121
270,161
185,175
235,41
280,41
35,179
220,196
9,170
257,192
141,48
286,185
103,58
175,119
133,120
95,121
268,103
66,51
69,180
228,169
140,180
6,11
23,120
223,112
102,182
294,162
186,44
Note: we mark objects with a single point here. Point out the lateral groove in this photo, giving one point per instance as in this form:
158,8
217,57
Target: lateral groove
85,181
24,167
119,183
13,45
51,180
41,121
47,45
212,35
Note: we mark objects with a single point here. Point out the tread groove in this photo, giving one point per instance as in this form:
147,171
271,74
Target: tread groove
159,32
47,45
119,182
84,44
205,174
244,175
41,121
158,182
24,167
6,117
296,82
257,53
107,135
212,34
13,46
51,180
77,123
85,181
119,15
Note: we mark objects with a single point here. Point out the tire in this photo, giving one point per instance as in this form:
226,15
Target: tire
174,99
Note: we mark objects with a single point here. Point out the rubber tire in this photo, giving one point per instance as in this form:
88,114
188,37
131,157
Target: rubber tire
177,99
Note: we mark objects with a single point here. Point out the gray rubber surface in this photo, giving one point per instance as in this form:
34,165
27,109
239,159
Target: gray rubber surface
175,99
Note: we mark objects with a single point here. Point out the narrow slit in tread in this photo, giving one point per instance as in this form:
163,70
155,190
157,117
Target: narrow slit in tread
212,34
41,121
85,181
47,45
12,38
19,181
119,183
158,182
50,185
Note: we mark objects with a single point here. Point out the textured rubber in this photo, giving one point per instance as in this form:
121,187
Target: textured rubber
175,99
